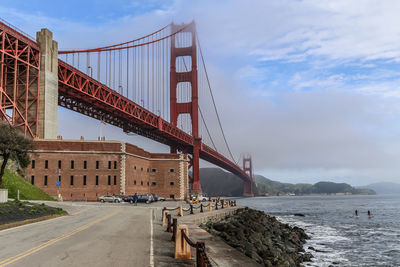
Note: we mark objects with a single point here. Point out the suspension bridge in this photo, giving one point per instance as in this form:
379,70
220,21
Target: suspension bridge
152,86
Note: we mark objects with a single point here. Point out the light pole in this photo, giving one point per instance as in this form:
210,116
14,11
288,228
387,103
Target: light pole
91,71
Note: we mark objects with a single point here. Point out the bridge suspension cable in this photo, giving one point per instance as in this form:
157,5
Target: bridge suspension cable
121,45
208,132
139,70
213,101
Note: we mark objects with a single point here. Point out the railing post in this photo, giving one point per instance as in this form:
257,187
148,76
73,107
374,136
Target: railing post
182,248
198,255
162,213
169,223
201,207
180,211
165,219
191,209
200,246
174,229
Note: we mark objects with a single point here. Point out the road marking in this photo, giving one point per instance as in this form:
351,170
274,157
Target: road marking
151,239
54,240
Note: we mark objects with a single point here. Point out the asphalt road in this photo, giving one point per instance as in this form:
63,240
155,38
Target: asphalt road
92,235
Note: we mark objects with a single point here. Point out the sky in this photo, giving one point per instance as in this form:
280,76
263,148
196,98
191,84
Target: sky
309,88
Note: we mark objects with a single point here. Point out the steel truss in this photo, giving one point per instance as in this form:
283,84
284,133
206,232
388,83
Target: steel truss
19,80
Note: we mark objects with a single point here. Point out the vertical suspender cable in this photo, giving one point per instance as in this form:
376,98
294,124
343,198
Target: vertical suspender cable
98,66
106,55
153,77
134,74
163,79
87,63
114,72
127,72
109,69
148,78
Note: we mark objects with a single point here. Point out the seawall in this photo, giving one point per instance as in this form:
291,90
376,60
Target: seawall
238,236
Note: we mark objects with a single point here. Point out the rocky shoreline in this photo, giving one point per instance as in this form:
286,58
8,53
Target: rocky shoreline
261,237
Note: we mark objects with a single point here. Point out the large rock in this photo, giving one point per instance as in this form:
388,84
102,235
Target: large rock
262,238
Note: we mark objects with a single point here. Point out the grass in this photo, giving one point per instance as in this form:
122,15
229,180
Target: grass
13,182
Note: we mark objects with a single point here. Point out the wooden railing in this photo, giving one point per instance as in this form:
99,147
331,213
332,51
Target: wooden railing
202,259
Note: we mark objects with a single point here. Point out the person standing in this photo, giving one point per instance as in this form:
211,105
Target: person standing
135,199
356,213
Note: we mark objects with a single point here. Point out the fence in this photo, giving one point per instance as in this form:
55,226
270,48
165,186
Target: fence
182,238
221,203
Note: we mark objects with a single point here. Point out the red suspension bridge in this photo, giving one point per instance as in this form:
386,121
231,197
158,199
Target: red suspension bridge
150,86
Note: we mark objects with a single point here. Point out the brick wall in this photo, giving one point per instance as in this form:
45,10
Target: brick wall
141,172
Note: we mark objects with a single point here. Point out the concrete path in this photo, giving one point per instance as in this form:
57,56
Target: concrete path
94,235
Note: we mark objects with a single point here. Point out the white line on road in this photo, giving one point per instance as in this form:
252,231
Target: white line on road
151,239
55,240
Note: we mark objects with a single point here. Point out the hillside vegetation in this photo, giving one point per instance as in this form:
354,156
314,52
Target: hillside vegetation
216,182
269,187
13,182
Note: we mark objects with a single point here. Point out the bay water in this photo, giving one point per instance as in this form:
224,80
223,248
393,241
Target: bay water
338,238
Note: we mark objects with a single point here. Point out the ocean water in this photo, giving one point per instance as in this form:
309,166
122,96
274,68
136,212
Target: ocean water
339,238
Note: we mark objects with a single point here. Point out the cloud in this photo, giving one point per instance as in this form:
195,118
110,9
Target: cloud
309,88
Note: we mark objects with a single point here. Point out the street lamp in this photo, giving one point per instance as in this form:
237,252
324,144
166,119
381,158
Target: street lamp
91,71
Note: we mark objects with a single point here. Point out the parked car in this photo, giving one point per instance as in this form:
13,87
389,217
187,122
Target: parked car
199,198
157,197
129,199
109,198
161,198
147,198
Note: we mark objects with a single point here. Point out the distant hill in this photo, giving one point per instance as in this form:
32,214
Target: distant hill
384,188
216,182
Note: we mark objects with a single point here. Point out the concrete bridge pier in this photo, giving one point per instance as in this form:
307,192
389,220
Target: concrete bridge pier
48,85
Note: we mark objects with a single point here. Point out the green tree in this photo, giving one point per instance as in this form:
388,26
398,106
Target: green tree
14,146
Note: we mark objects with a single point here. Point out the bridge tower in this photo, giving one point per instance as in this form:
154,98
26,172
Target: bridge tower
192,107
48,85
248,168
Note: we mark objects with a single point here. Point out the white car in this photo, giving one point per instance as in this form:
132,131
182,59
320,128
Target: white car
201,198
116,199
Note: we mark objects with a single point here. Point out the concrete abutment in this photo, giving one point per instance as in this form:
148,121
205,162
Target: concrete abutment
48,85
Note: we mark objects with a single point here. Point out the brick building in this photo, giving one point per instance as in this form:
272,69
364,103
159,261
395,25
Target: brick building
89,169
